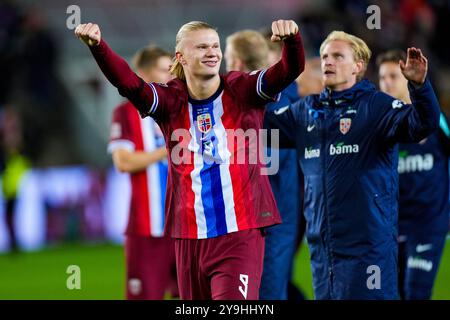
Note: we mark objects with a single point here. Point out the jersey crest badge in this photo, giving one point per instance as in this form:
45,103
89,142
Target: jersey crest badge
344,125
397,104
204,123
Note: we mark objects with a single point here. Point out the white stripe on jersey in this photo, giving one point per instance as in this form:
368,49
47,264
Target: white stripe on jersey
155,99
259,88
259,85
193,145
200,217
196,180
225,176
153,180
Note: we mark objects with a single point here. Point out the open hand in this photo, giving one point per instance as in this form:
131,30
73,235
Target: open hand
416,66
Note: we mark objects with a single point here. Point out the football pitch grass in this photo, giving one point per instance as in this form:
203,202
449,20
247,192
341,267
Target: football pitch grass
42,275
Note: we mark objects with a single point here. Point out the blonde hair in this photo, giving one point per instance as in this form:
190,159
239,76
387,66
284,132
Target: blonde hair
275,47
147,57
250,47
361,51
177,69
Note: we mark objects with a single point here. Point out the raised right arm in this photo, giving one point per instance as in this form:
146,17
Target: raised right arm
117,71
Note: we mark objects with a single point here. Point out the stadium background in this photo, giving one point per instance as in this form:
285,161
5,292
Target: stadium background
71,203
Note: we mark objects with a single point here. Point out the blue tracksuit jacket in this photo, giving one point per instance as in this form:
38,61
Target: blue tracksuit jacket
346,142
424,210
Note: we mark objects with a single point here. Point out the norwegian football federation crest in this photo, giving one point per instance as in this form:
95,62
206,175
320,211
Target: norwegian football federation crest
204,122
344,125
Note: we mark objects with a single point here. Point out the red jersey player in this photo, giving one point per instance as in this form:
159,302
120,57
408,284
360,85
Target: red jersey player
137,147
215,207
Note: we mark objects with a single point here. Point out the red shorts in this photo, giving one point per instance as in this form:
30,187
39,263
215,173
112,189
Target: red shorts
227,267
150,264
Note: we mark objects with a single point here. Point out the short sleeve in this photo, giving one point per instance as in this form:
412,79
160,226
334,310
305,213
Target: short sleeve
120,136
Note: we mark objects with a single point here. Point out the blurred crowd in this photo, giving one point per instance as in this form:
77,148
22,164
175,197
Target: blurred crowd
31,91
404,23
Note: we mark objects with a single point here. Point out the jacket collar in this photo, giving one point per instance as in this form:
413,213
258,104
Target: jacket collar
344,97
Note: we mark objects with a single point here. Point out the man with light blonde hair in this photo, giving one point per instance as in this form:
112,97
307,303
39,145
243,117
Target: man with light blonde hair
216,207
346,139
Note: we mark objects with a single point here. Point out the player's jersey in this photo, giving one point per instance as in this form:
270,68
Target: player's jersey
148,187
210,192
422,208
214,188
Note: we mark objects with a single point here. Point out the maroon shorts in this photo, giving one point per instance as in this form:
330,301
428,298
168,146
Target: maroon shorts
227,267
150,264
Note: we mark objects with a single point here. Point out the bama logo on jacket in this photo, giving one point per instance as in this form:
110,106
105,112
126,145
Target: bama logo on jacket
341,148
414,163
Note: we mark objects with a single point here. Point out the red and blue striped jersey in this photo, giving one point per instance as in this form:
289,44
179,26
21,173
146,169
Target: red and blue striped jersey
209,191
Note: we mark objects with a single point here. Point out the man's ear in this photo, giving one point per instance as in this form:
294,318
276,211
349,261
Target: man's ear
179,57
358,67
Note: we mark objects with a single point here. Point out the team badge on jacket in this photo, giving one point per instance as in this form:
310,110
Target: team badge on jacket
344,125
204,122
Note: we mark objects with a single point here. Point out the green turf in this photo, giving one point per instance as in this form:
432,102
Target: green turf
42,275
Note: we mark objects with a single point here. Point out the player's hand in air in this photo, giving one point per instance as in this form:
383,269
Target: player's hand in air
283,29
416,66
89,33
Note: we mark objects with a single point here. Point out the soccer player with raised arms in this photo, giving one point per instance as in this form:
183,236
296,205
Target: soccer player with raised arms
346,139
215,207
